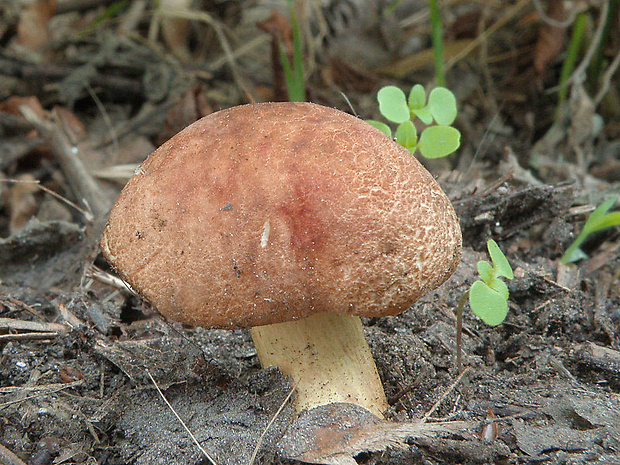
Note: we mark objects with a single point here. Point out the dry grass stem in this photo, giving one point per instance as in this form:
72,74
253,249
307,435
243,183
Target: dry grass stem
428,414
273,419
191,435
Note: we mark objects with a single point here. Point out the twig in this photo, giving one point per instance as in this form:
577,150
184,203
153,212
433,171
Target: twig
552,21
106,278
23,305
44,388
105,116
445,394
55,388
131,89
68,316
32,326
9,458
611,69
37,183
579,75
204,17
82,183
180,420
273,419
512,12
459,331
38,336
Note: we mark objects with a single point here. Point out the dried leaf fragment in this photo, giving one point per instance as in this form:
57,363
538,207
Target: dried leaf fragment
550,38
333,434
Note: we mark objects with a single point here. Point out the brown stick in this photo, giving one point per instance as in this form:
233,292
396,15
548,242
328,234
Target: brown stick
9,458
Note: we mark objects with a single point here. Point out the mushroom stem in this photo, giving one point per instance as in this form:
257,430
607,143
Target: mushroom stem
328,358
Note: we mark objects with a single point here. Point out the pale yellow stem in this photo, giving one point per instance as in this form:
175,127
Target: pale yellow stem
328,359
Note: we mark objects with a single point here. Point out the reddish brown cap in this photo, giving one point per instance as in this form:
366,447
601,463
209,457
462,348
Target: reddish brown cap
271,212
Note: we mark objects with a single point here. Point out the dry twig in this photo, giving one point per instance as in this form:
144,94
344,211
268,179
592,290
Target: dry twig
9,458
10,324
82,183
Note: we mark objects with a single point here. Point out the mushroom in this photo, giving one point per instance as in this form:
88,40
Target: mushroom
293,219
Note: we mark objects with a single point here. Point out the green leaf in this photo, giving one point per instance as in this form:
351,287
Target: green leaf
442,105
384,128
485,270
600,212
439,141
489,305
574,254
424,114
499,286
597,220
407,136
609,220
500,263
393,104
417,97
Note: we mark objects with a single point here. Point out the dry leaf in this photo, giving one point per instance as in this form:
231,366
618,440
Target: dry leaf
490,431
281,32
550,38
335,433
32,28
175,31
70,374
71,124
23,204
192,106
12,106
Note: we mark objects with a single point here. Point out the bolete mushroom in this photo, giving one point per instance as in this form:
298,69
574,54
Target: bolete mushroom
294,219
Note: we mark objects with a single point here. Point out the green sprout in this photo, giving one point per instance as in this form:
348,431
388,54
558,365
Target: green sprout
488,297
294,69
436,141
437,39
599,219
568,66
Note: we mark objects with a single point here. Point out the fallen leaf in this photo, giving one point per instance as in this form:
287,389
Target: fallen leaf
192,106
490,431
71,124
12,106
32,29
550,37
175,31
22,202
335,433
281,32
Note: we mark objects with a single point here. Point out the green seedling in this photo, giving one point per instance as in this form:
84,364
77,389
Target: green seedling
568,66
294,69
599,219
439,138
488,297
437,39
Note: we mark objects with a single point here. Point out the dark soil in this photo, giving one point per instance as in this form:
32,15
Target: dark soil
81,357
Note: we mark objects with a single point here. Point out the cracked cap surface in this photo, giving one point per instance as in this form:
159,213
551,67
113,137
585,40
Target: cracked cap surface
271,212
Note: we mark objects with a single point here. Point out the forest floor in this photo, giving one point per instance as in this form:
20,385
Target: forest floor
89,89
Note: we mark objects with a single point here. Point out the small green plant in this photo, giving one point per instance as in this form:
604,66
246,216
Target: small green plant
435,141
599,219
294,69
488,296
437,39
568,66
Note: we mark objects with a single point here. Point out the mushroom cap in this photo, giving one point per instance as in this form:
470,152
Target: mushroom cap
271,212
